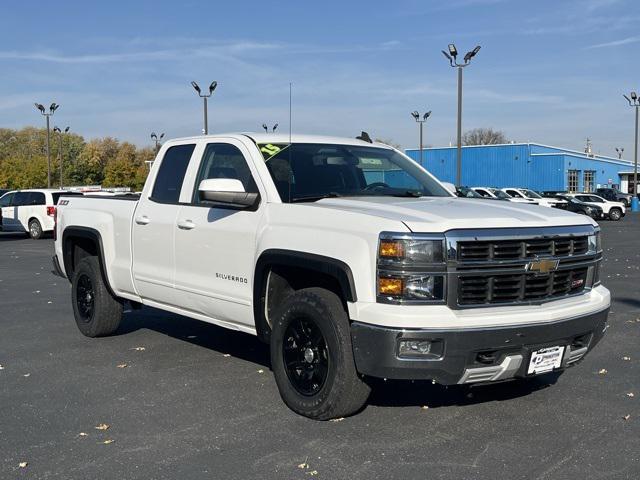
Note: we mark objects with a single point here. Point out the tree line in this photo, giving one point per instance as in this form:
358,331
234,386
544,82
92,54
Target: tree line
101,161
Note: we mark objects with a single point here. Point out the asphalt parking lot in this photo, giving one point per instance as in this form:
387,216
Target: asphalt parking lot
184,399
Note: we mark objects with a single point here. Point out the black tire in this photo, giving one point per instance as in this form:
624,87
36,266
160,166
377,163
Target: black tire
333,389
35,229
96,311
615,214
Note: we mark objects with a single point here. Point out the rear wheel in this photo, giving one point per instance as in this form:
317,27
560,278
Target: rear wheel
97,312
615,214
35,229
312,356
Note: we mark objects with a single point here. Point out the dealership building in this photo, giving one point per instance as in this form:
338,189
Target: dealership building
529,165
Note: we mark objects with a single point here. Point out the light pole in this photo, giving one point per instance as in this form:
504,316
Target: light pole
66,130
157,139
620,152
52,108
452,57
634,101
266,129
421,121
205,97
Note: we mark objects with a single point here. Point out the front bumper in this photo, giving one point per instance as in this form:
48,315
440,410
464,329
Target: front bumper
473,355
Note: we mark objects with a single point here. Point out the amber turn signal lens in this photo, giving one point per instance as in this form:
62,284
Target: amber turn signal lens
390,286
389,248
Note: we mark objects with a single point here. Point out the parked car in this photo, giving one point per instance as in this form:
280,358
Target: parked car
30,211
576,206
498,194
364,266
530,194
612,210
615,195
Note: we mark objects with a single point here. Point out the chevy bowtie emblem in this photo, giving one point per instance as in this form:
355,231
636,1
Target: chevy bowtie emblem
543,266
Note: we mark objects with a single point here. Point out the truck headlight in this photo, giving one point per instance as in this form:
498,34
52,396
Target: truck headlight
595,244
411,268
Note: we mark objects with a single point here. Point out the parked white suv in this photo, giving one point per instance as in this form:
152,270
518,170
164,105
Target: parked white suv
30,211
347,257
531,195
498,194
611,210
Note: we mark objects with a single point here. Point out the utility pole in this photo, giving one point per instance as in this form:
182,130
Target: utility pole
452,57
66,130
205,97
634,102
52,108
421,121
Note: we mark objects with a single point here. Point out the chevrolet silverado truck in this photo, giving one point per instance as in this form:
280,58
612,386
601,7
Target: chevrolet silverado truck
348,258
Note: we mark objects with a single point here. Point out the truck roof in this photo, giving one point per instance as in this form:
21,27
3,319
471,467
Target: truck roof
284,138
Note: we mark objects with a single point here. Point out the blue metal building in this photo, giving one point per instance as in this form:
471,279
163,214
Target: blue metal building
529,165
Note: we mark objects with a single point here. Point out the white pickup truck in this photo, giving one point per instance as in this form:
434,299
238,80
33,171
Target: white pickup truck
349,258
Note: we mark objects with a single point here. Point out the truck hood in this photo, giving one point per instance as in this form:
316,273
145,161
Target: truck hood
439,214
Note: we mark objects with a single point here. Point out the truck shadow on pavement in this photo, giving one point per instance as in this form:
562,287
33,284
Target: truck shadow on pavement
396,393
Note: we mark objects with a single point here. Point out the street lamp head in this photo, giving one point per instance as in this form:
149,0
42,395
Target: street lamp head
427,115
40,107
415,115
57,129
212,87
627,98
161,136
196,87
471,54
453,51
53,107
448,56
634,96
66,130
154,136
264,125
274,127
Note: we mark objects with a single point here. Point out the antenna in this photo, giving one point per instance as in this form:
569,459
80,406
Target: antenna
290,108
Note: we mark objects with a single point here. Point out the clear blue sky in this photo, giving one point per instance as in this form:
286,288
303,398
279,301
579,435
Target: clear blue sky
549,71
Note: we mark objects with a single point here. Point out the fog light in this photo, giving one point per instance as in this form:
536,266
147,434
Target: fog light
414,347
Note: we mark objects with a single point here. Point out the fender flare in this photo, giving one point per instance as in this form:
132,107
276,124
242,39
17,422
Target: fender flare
67,253
292,258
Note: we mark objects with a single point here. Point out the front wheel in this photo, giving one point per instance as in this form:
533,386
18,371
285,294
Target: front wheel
35,229
96,311
615,214
312,356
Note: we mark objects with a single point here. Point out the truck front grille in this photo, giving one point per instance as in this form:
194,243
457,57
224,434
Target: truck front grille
488,250
520,287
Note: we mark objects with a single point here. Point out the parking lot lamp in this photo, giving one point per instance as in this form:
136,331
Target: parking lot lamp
52,108
453,61
60,132
157,139
634,102
266,128
420,119
205,97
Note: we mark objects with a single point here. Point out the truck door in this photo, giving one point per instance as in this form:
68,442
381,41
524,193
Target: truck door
215,245
154,227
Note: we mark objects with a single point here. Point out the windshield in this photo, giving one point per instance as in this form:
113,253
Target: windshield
531,193
309,172
500,194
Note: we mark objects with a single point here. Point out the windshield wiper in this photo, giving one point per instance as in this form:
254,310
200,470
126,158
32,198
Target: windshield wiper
408,193
315,198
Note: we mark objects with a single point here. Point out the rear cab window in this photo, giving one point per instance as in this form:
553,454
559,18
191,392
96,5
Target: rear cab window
168,182
56,196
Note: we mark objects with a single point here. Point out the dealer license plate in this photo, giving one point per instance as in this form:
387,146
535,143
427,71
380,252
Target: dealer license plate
545,359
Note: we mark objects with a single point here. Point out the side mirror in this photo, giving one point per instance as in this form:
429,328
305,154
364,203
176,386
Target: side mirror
226,191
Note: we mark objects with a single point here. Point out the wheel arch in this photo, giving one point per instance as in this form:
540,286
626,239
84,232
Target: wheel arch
330,272
77,239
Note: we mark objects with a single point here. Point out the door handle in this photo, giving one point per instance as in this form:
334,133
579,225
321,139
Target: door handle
142,220
186,225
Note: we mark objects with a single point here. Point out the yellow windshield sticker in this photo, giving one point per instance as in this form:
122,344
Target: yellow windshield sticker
270,150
